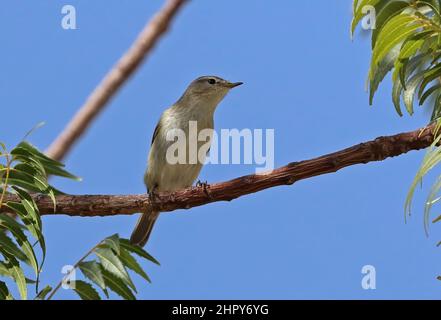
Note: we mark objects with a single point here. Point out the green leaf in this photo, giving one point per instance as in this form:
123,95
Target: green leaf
380,72
28,181
429,76
438,219
4,271
429,92
60,172
430,202
396,96
29,173
25,145
410,91
394,32
354,7
137,250
433,6
407,67
7,246
113,243
4,292
391,9
398,57
52,167
24,156
132,264
20,210
436,113
13,267
431,158
92,271
15,228
27,210
411,46
110,262
85,290
31,210
118,286
43,293
32,170
358,12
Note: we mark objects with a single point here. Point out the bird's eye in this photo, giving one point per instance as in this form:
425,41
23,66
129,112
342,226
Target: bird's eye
211,81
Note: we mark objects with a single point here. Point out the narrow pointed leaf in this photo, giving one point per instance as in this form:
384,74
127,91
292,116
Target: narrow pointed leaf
113,264
410,91
15,228
52,167
381,71
92,271
113,243
43,293
390,10
85,290
17,274
4,292
358,11
131,263
137,250
118,286
429,92
7,246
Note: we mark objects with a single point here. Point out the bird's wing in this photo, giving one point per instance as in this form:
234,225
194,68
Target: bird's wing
155,133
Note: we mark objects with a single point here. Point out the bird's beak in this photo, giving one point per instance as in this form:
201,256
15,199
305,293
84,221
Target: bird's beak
232,85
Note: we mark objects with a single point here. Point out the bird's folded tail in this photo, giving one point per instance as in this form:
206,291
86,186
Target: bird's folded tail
143,228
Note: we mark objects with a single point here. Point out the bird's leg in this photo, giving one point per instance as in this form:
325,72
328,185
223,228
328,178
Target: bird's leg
200,184
153,196
205,187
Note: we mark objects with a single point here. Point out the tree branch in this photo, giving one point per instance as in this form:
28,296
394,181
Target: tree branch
113,81
108,205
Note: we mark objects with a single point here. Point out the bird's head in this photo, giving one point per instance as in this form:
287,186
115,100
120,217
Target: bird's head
208,89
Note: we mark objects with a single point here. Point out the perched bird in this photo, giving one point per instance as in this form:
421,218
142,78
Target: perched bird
198,103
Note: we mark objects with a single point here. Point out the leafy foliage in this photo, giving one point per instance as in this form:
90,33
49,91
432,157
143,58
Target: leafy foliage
24,171
108,270
406,42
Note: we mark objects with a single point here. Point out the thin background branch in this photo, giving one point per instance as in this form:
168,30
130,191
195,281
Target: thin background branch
108,205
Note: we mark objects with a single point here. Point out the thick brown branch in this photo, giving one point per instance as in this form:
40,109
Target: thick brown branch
107,205
116,77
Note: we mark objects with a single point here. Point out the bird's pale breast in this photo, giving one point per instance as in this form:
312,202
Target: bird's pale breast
163,176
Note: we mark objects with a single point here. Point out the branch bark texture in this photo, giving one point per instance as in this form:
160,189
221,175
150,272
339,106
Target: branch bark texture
108,205
114,79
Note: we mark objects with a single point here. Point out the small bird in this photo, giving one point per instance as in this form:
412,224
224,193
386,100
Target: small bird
198,103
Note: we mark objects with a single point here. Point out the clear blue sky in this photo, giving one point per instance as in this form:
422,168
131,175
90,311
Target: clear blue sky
303,77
